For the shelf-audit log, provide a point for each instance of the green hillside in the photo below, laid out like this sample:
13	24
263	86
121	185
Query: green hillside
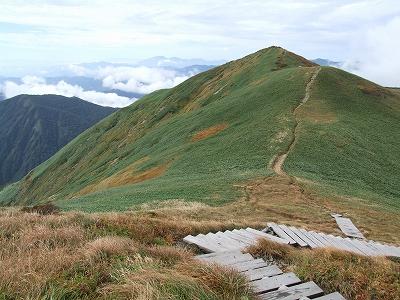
33	128
224	128
349	138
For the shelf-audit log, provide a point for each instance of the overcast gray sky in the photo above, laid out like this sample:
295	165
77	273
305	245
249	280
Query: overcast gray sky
47	32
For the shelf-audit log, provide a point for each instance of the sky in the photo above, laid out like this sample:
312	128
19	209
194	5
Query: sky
37	34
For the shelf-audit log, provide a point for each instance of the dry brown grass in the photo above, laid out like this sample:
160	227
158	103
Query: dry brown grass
190	280
109	245
81	255
210	131
76	256
355	277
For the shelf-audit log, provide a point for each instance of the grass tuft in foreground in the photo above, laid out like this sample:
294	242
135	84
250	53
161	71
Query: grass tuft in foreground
106	256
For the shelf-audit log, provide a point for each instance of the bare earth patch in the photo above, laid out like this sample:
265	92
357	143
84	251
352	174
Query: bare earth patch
210	131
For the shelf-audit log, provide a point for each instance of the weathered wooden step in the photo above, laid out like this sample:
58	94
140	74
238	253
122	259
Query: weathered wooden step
309	242
281	233
228	258
271	283
294	236
219	254
248	265
308	289
267	236
205	245
256	274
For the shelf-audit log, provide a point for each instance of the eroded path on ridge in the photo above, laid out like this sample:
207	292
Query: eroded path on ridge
277	165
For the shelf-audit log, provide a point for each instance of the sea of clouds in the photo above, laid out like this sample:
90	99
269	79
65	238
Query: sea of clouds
33	85
129	79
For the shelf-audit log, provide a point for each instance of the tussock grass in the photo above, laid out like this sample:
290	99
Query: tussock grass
107	256
356	277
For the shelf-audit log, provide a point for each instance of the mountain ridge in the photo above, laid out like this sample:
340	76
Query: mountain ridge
221	129
35	127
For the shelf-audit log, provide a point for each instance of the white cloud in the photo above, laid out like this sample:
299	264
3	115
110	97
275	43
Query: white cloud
141	80
33	85
375	54
52	31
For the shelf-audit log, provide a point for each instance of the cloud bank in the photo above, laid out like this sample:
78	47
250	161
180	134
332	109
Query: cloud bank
141	80
33	85
135	79
375	54
130	79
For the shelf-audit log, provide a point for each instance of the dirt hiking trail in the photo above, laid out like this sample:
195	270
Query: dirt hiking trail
280	159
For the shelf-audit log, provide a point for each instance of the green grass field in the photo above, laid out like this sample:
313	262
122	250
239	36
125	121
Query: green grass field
348	140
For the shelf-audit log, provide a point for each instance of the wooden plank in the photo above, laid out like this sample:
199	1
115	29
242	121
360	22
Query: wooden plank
228	259
378	250
242	239
256	274
245	233
339	244
248	265
223	241
235	234
217	240
248	234
375	250
303	237
352	247
272	283
366	250
348	228
203	244
236	243
267	236
334	241
326	242
332	296
391	250
211	240
294	236
312	238
281	233
379	247
308	289
230	252
394	251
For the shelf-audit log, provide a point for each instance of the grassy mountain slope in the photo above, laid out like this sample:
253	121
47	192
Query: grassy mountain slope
33	128
224	128
155	139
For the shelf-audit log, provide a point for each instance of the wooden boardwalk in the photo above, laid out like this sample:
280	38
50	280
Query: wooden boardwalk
268	280
239	239
230	240
312	239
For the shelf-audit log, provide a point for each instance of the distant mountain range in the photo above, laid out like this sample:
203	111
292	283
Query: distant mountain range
33	128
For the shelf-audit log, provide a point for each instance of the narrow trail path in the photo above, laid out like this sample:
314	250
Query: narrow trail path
277	165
